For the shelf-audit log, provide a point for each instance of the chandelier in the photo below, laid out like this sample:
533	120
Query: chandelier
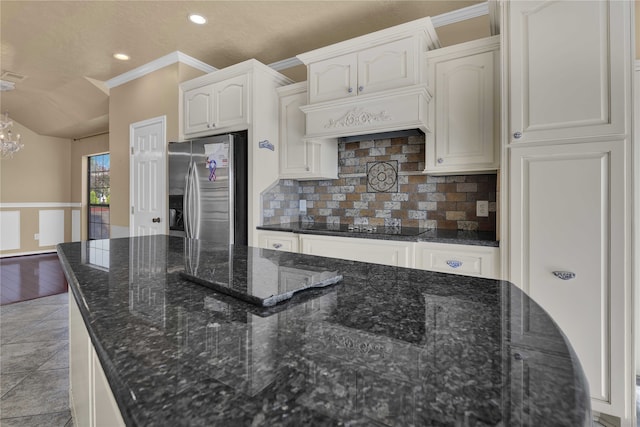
9	143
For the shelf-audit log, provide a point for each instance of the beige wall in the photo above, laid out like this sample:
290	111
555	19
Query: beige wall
39	173
153	95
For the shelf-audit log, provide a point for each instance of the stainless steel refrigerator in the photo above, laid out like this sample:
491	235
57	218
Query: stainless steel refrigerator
208	188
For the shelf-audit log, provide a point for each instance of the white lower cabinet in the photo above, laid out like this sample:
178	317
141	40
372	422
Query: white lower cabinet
479	261
386	252
90	397
568	253
278	240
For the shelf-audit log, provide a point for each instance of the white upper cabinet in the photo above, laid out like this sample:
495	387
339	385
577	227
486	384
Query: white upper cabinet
464	113
301	158
333	78
373	83
216	106
379	68
565	59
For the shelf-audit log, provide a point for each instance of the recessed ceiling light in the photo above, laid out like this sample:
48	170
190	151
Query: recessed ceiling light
197	19
121	56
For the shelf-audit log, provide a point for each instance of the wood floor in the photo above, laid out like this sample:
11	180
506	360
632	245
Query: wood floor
28	277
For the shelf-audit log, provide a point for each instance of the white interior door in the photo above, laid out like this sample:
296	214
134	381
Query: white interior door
148	177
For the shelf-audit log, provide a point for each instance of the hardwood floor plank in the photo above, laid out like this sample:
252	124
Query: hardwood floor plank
28	277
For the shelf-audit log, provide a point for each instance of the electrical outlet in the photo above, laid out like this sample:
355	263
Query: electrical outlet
36	236
303	206
482	208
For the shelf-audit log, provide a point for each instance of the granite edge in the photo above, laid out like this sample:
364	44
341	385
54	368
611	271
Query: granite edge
288	228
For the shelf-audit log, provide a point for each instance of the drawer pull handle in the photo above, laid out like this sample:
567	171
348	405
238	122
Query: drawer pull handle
277	245
453	263
564	275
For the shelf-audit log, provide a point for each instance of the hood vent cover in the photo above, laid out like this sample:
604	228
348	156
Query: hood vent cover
370	84
381	135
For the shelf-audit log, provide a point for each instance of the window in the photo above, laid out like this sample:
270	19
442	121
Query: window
99	197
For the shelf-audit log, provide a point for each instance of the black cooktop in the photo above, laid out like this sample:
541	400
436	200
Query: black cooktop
362	229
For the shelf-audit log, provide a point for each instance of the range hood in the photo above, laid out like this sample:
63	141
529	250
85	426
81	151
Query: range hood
370	84
381	135
388	111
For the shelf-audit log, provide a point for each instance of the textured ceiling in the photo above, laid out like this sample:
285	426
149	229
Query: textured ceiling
65	48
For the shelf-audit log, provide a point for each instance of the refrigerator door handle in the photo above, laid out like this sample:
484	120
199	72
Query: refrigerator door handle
193	202
195	188
185	203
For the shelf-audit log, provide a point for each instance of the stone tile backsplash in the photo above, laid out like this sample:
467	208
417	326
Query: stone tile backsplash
380	183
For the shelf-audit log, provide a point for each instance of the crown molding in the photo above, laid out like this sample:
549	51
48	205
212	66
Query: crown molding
460	15
285	63
437	21
157	64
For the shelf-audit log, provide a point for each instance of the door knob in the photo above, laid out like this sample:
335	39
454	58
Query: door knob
156	219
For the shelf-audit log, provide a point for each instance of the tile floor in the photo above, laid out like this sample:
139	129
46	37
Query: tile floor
34	363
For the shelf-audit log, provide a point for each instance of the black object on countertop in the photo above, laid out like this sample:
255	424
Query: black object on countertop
387	346
259	276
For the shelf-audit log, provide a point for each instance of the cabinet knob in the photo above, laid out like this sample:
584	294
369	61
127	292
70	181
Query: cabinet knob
440	160
360	88
350	90
564	275
517	135
518	356
213	125
156	219
454	263
277	245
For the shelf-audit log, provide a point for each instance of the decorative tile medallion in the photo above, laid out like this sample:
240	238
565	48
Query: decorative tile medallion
382	177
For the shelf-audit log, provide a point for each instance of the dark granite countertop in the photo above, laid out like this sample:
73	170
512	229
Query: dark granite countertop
386	346
407	234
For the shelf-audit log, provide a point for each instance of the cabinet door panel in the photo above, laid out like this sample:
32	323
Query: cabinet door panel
80	354
107	413
332	78
293	149
198	112
464	113
561	69
570	217
278	241
387	67
374	251
231	104
458	259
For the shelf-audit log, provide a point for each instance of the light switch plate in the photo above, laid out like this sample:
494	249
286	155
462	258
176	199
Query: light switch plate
303	206
482	208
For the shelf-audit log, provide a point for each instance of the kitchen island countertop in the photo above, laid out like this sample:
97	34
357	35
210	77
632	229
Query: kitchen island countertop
385	346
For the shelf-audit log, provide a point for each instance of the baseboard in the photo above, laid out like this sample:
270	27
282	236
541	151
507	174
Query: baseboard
14	254
606	420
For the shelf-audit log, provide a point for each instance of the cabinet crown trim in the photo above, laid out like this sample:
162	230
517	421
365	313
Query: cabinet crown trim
387	35
245	67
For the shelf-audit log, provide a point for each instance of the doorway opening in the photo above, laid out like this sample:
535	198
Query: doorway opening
99	196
